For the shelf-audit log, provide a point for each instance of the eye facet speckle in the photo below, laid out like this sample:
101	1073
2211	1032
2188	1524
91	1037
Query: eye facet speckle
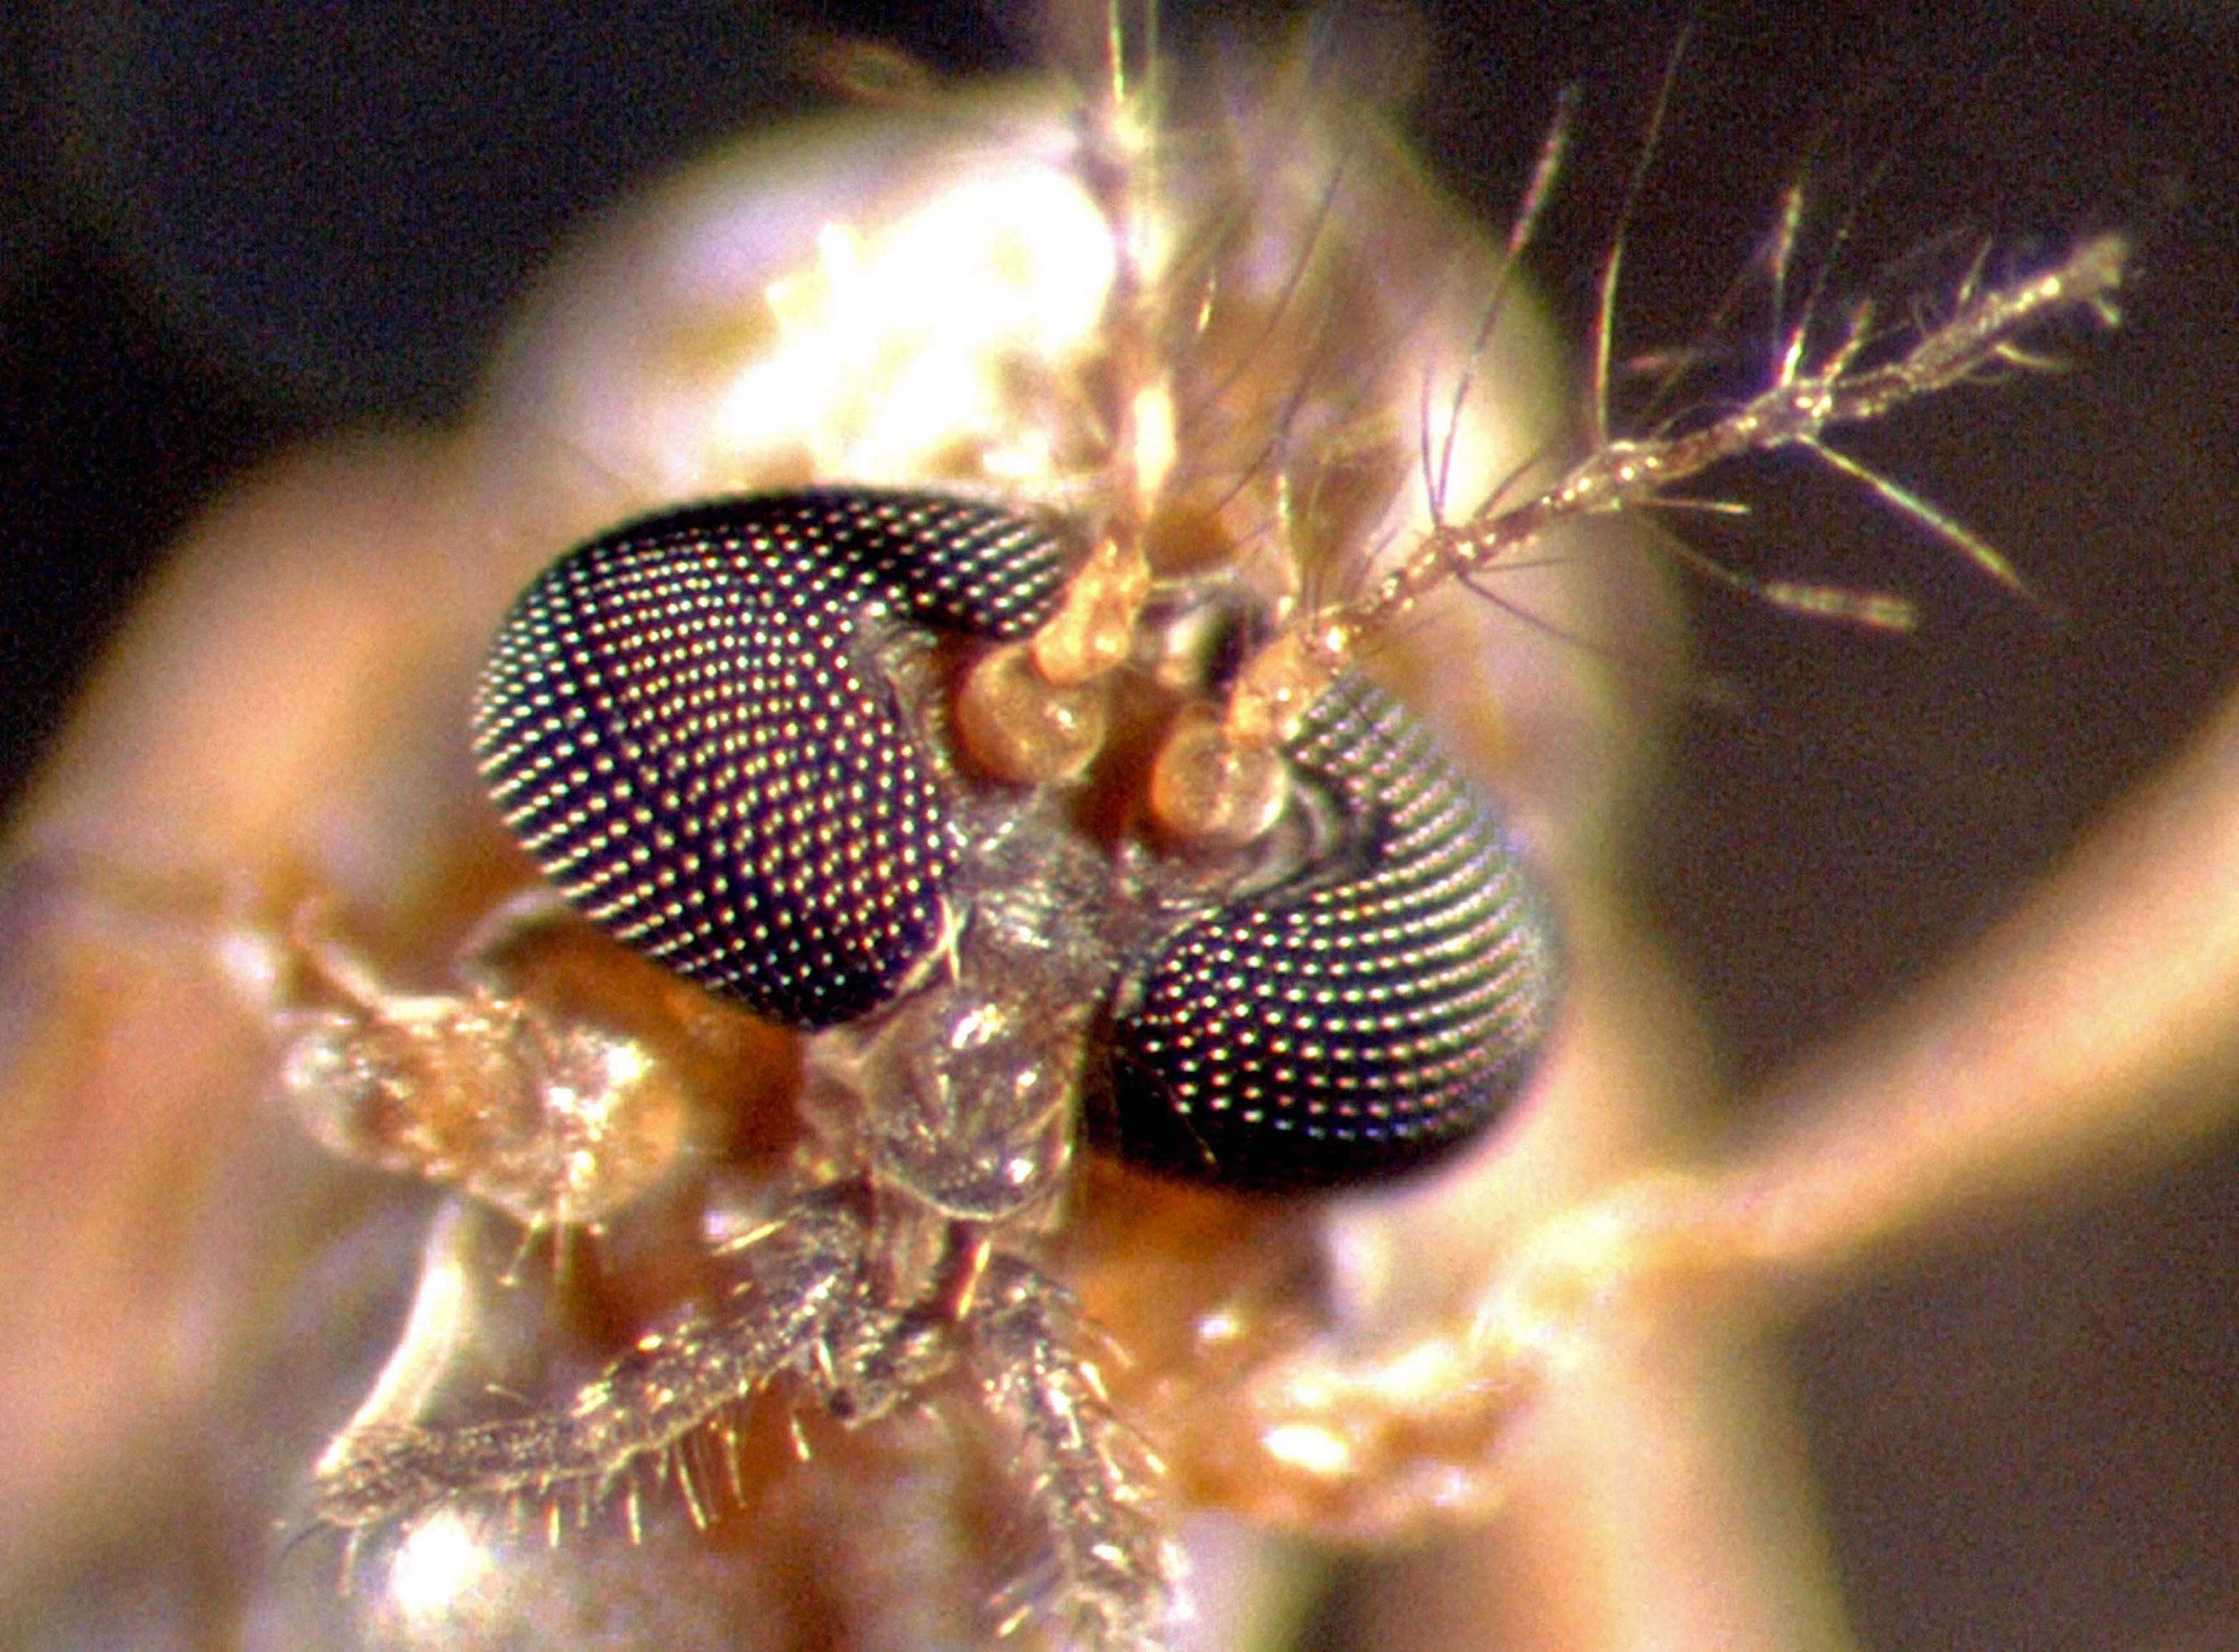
1372	1011
688	723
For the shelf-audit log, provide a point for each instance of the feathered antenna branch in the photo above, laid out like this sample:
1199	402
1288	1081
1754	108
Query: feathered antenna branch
1987	327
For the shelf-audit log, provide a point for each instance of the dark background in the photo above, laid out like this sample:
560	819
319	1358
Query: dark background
226	225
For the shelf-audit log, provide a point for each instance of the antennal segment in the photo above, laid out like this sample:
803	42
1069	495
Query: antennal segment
1986	329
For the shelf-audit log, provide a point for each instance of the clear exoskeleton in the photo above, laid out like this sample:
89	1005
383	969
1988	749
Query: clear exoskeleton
1053	964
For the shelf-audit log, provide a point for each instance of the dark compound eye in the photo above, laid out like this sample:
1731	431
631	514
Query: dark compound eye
689	724
1364	1016
692	724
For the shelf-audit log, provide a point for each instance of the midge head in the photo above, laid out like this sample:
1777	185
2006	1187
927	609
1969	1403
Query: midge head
1027	765
722	734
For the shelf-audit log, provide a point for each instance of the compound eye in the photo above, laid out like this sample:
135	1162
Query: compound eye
691	724
1368	1014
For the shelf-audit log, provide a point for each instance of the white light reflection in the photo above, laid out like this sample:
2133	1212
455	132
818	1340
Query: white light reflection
904	333
439	1564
